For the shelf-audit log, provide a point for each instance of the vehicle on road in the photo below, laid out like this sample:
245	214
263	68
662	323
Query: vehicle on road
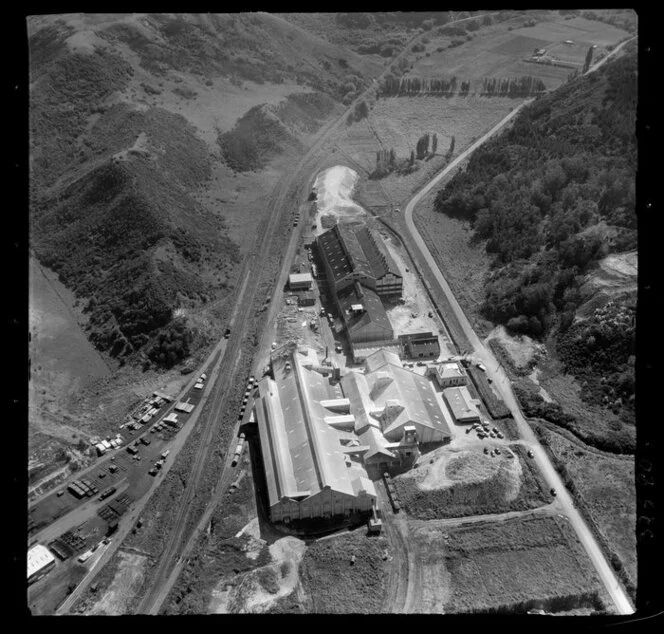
481	367
61	493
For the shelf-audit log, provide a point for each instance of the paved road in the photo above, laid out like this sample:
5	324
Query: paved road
503	385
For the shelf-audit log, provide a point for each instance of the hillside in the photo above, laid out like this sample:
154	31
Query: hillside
129	161
552	198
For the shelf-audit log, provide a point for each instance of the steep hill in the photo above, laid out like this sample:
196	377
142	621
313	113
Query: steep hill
130	160
553	197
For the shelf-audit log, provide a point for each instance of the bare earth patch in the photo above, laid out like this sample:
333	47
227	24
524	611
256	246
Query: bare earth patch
126	582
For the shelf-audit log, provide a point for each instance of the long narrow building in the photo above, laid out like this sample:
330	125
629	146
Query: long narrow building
309	470
356	253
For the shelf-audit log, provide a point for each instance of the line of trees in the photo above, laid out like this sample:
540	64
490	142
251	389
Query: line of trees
524	85
393	86
589	59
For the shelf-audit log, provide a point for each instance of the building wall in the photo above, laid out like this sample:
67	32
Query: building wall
424	434
453	381
389	285
326	503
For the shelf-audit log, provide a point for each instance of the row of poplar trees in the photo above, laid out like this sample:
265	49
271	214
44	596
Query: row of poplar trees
426	144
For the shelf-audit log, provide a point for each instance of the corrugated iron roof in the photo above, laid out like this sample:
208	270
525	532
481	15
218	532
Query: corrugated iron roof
373	313
302	453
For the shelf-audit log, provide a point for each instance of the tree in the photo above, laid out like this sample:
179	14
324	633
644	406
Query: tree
589	59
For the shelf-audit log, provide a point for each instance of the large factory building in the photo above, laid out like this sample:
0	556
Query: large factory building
395	400
355	253
310	470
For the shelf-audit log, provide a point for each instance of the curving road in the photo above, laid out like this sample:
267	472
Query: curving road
503	385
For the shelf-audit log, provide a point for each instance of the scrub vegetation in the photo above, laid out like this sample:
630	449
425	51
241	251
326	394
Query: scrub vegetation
551	197
334	584
517	565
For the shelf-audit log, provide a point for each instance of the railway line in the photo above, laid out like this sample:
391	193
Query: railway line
294	186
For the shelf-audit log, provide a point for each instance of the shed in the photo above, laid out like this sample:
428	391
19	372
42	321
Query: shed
300	281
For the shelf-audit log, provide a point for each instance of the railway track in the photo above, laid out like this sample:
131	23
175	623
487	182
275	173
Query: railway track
245	308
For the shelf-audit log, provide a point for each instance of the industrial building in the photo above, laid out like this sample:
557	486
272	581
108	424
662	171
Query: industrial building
364	317
394	401
461	405
310	470
355	253
420	345
300	281
306	298
40	562
449	374
182	406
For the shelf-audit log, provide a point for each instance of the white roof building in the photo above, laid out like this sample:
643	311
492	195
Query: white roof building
450	374
387	398
308	471
39	560
461	404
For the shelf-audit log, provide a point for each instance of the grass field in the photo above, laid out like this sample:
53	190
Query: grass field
464	263
509	566
469	482
334	585
497	52
606	484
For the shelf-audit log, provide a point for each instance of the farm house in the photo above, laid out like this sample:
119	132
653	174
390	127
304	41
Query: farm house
308	470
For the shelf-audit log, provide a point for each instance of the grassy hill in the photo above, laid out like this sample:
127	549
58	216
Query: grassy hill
552	197
129	162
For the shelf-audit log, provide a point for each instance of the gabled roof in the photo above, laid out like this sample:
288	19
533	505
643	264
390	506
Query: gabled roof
373	313
413	394
301	452
379	258
352	248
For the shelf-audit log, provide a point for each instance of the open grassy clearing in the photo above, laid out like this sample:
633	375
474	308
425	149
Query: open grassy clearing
334	585
464	263
606	485
458	483
496	51
507	566
397	122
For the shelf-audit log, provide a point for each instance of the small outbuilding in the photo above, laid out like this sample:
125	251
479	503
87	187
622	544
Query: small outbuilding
300	281
462	406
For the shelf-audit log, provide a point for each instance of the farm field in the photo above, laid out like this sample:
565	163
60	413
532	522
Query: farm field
397	122
333	585
461	482
507	566
606	484
497	52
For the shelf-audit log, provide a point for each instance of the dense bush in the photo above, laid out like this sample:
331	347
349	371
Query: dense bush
536	193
